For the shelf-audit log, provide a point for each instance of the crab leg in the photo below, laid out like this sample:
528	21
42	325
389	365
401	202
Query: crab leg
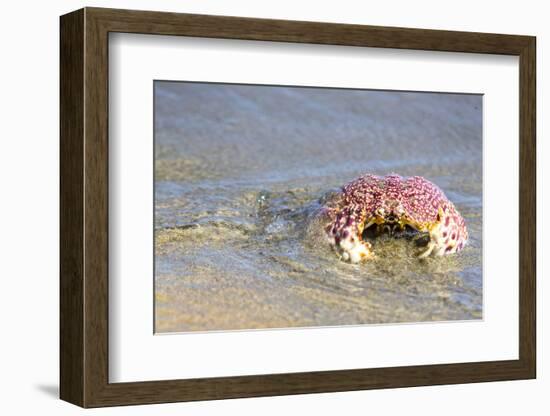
428	251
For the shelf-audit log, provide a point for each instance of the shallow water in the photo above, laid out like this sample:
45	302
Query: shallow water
240	172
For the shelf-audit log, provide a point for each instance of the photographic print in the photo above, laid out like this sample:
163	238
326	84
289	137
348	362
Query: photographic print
293	207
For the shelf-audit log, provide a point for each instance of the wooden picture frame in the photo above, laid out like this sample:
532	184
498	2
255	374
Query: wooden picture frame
84	207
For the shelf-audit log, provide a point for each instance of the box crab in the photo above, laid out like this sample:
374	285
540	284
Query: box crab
399	206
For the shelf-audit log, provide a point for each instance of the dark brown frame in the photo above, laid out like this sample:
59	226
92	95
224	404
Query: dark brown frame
84	207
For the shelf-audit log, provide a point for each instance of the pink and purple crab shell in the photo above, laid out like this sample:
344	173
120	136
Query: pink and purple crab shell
373	205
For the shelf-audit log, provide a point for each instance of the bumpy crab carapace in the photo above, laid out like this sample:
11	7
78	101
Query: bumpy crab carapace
412	206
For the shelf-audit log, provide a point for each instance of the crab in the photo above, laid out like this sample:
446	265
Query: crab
414	207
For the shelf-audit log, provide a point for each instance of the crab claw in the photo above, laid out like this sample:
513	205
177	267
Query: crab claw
448	234
355	251
345	238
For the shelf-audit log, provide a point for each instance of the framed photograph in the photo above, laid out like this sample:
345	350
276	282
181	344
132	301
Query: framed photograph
255	207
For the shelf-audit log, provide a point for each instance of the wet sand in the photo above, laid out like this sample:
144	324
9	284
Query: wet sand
241	171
